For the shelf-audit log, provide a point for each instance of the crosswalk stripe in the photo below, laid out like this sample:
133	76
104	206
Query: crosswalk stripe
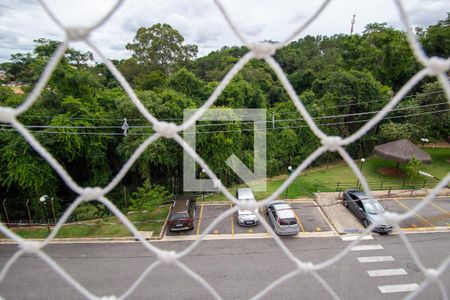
370	259
398	288
355	237
386	272
366	247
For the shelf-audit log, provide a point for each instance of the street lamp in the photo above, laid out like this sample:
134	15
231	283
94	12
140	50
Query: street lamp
360	169
424	140
361	164
43	201
428	175
289	174
203	172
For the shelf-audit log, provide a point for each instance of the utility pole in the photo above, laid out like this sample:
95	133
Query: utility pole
353	23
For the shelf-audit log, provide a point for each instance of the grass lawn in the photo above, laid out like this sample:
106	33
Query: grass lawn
325	178
104	228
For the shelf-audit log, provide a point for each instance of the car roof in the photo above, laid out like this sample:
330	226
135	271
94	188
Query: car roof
245	193
284	210
180	205
359	194
367	200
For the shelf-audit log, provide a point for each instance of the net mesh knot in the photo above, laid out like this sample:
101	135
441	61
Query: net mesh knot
431	274
30	247
92	193
437	65
332	143
7	114
263	49
305	267
165	129
248	204
77	33
167	257
392	217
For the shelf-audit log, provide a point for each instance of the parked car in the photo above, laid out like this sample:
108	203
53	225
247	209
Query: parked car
282	217
366	211
246	217
182	214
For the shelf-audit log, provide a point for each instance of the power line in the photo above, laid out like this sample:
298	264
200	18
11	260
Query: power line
228	131
228	122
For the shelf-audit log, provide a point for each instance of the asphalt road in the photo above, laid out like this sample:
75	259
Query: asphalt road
238	269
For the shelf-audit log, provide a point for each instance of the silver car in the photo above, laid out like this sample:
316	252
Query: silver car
246	217
282	217
367	211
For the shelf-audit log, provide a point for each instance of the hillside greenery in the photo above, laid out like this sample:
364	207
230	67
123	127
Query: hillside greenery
79	115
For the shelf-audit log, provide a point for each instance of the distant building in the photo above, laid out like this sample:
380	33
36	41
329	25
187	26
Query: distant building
2	75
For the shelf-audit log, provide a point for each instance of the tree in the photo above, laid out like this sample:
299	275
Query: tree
151	80
160	47
148	197
187	83
413	167
436	39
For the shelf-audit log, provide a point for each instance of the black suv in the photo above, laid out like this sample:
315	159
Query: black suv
182	214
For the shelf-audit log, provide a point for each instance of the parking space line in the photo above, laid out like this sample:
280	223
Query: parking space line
355	237
371	259
386	272
438	207
417	215
232	222
298	220
200	219
398	288
366	247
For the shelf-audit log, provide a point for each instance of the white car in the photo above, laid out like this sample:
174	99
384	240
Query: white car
246	217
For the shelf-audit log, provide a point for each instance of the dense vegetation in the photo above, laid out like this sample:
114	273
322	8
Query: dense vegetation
79	115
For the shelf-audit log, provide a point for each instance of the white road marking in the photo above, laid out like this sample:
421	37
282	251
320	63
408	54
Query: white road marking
398	288
355	237
386	272
370	259
366	247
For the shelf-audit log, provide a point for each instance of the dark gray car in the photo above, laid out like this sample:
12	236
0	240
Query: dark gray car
366	211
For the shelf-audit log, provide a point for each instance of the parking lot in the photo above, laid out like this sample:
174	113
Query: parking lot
435	214
309	217
337	219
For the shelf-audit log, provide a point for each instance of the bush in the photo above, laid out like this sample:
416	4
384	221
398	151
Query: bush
413	167
148	197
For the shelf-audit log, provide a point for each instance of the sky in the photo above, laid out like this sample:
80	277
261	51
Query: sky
199	21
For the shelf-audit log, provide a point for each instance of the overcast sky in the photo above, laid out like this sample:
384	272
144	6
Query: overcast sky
199	21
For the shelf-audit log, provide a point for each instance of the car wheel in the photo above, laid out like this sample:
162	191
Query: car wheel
345	203
365	223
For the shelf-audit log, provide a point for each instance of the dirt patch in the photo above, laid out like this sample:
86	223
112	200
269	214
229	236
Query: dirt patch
391	172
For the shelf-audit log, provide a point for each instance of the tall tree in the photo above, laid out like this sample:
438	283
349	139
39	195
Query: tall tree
160	47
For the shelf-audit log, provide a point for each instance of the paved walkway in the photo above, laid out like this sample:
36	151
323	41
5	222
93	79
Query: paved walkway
337	214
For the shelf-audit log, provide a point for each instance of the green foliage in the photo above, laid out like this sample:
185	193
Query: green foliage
340	79
150	81
148	197
160	47
395	131
413	167
89	211
436	39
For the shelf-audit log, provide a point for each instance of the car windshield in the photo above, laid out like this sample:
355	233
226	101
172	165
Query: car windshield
373	208
179	216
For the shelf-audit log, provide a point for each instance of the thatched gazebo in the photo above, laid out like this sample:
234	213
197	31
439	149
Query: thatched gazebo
401	151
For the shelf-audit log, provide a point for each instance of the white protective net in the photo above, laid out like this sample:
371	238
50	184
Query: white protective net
433	66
